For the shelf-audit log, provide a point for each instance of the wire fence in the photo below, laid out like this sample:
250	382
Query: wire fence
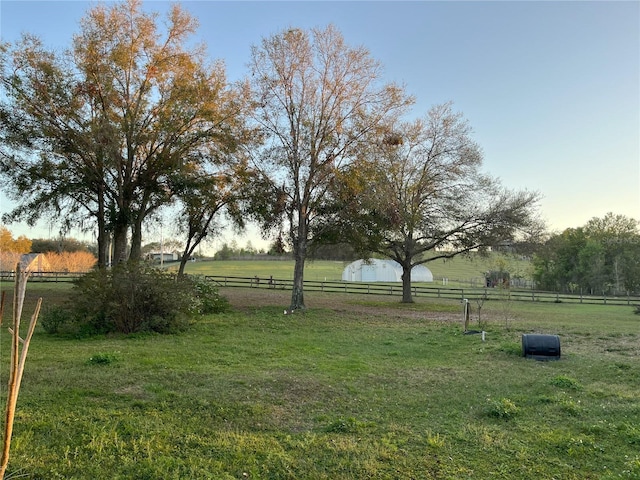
379	288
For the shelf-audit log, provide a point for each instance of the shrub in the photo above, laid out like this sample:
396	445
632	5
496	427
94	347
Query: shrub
54	318
132	298
70	261
207	295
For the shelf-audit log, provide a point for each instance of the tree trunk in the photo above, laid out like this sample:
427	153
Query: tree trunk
406	284
297	294
103	237
119	243
136	241
186	254
103	244
183	264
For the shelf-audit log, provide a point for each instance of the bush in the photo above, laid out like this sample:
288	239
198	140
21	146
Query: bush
133	298
54	318
207	295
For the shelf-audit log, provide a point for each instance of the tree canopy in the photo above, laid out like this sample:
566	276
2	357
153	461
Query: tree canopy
96	136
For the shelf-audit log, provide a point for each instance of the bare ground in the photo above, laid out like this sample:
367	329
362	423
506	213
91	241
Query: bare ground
371	305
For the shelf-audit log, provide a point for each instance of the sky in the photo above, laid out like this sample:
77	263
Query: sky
550	88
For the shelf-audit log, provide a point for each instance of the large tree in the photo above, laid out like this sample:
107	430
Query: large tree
99	133
318	101
422	196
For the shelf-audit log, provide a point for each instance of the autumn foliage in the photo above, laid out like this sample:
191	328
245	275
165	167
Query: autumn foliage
8	244
12	249
71	261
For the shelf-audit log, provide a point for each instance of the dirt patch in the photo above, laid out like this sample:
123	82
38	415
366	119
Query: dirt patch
369	305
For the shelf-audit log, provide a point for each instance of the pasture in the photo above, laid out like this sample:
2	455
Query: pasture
356	387
459	270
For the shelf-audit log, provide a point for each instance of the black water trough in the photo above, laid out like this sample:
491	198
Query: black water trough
541	347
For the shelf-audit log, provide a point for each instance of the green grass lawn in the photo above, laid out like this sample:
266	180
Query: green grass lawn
458	269
357	387
280	269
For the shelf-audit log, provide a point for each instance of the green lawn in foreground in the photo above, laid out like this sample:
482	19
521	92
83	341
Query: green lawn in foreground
358	387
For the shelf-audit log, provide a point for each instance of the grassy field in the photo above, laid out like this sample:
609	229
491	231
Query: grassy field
459	269
357	387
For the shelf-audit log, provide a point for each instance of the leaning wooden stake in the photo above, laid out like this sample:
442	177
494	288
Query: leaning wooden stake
18	359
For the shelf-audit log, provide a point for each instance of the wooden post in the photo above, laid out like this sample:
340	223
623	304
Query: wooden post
465	313
18	359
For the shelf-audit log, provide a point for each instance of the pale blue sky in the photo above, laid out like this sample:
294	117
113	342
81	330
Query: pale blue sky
551	89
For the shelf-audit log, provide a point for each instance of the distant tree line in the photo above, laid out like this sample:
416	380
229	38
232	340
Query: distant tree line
59	245
600	257
231	250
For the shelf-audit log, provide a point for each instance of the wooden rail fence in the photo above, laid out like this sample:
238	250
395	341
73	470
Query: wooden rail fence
6	276
393	289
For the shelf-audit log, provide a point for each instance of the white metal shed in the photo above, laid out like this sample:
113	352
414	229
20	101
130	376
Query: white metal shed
378	270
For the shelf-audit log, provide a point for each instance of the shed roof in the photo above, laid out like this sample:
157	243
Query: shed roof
34	262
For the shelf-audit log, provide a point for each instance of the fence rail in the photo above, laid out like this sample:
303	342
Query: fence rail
395	289
392	289
6	276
